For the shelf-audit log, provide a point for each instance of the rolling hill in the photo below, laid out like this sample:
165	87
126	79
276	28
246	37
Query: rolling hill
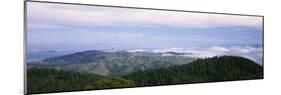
111	63
223	68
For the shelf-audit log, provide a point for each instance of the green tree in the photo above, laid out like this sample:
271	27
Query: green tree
111	82
43	80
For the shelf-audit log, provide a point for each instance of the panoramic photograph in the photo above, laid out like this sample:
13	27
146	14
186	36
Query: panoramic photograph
71	47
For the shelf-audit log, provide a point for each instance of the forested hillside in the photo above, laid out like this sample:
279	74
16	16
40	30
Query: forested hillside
52	80
214	69
44	80
202	70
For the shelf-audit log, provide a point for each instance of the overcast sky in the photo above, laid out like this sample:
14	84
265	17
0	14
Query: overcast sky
62	26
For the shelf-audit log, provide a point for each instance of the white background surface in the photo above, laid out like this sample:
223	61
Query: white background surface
11	48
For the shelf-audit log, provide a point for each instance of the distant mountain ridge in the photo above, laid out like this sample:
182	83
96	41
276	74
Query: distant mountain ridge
111	63
75	58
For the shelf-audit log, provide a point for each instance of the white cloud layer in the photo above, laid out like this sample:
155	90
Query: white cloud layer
251	52
108	16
